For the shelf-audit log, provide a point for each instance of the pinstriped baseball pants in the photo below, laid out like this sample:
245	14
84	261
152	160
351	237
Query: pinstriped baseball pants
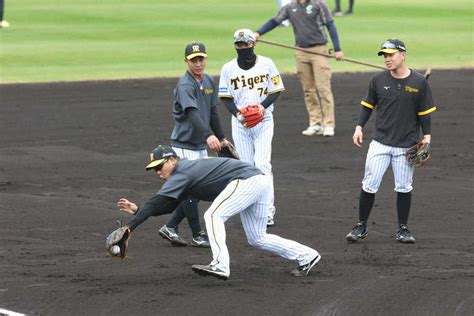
379	158
255	147
250	198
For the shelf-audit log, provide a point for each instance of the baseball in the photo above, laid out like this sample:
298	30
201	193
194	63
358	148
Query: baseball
115	250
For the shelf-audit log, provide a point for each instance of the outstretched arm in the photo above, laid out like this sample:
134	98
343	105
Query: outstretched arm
156	206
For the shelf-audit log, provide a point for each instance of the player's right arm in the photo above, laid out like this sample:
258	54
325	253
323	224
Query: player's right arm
281	16
225	92
358	136
367	106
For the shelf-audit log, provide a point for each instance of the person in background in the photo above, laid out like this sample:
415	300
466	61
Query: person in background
309	19
3	23
338	12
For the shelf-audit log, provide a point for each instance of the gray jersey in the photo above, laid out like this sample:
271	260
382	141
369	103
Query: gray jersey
308	20
205	179
191	94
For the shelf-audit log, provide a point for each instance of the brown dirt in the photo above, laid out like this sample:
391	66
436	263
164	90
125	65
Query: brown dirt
68	151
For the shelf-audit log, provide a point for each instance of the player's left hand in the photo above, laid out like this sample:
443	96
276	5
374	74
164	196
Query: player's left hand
426	139
339	55
214	143
127	206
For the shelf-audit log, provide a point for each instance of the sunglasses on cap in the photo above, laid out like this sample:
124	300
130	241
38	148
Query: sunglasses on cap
390	45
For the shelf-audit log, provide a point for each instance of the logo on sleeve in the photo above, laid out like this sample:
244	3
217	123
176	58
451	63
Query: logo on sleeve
276	80
386	87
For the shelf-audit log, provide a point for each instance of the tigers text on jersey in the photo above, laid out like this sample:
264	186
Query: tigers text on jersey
250	86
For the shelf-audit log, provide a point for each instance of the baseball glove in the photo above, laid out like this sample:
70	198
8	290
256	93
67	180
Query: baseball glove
119	238
229	151
418	154
251	115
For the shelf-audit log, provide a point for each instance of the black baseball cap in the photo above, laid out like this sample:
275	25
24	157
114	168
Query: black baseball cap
159	155
391	46
195	49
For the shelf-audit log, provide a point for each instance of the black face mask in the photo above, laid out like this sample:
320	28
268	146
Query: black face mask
247	58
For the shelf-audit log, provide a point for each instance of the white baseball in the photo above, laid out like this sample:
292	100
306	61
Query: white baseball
115	250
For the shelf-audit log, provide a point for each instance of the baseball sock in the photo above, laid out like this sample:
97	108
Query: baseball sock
366	202
351	6
403	207
177	218
192	215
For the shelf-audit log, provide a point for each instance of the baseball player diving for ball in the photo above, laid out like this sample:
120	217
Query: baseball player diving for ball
235	187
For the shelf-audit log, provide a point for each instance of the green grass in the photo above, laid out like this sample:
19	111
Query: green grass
65	40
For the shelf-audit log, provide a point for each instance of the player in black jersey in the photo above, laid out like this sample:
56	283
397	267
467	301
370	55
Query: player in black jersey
403	102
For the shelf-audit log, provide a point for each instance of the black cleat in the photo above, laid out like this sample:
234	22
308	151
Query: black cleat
359	231
171	234
304	269
201	241
404	235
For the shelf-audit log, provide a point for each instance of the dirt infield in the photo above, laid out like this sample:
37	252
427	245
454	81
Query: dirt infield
69	151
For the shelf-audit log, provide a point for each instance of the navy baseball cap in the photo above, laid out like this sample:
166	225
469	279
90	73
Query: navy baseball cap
195	49
159	155
391	46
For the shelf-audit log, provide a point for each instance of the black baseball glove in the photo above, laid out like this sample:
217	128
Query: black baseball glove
117	242
228	151
418	154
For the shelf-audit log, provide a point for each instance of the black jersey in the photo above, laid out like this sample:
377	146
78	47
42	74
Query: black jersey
398	103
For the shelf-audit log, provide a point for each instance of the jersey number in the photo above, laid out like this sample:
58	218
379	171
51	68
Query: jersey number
262	91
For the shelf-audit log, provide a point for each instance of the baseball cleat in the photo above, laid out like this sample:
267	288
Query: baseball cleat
404	235
359	231
210	270
313	130
172	236
201	241
304	269
270	222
